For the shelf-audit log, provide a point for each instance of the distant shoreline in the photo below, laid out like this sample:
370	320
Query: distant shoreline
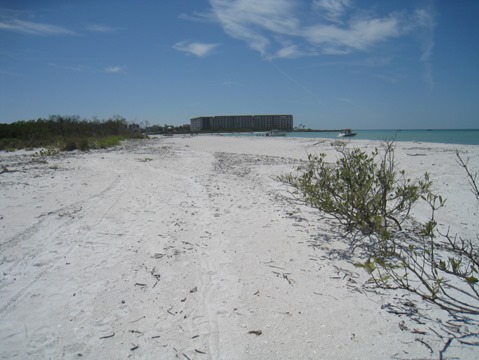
444	136
223	131
455	136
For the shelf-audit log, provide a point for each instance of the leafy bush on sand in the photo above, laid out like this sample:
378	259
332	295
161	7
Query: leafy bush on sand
371	200
363	192
48	151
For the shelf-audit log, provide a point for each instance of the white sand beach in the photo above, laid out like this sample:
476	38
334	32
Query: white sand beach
185	247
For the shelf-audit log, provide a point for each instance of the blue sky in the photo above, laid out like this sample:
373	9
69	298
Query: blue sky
331	63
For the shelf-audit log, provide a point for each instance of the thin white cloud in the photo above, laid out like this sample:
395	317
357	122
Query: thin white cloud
255	21
289	52
350	102
115	69
34	28
203	17
81	68
332	10
426	21
100	28
195	48
297	83
360	34
281	29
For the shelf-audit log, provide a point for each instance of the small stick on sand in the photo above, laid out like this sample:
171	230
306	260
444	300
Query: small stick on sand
425	344
287	278
136	332
134	321
169	311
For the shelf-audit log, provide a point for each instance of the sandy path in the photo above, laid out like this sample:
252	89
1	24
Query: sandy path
180	248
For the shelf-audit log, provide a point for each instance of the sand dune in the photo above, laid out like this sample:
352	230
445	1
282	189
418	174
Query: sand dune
185	248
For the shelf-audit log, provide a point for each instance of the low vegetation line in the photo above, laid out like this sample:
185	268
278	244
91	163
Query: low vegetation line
66	133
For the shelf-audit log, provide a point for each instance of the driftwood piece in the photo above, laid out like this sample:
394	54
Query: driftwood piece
425	344
285	276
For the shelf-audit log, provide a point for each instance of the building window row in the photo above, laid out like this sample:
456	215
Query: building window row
242	122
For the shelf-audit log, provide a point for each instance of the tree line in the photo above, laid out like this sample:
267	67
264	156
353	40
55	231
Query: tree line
60	130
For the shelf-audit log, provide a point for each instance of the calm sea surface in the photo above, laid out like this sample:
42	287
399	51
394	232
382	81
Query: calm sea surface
468	137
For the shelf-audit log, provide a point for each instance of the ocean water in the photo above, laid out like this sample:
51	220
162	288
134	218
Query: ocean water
465	137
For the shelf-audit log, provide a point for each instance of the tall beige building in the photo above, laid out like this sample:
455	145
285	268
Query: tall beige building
242	122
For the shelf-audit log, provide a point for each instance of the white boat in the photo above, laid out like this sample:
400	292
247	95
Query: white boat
347	133
272	133
276	133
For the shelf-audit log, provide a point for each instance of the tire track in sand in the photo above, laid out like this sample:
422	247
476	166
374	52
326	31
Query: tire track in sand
36	261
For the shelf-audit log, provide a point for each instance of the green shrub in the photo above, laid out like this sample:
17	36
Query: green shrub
48	151
367	195
83	144
69	145
441	268
364	192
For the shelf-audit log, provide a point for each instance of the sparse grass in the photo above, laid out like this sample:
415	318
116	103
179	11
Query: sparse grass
107	142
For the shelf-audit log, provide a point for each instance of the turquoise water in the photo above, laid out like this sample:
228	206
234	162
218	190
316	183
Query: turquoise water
466	137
